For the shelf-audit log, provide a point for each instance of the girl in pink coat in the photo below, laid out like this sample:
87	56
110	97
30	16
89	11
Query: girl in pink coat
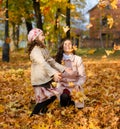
70	86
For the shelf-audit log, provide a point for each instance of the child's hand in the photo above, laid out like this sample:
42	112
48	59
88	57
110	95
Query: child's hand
57	77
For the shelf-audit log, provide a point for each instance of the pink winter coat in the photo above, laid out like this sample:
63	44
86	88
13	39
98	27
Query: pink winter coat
76	76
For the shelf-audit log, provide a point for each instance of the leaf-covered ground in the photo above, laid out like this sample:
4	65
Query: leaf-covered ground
102	103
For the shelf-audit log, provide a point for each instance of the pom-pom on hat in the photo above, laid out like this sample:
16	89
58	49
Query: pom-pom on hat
33	34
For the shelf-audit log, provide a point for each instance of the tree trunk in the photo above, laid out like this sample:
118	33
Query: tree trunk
17	36
38	15
12	44
28	26
68	20
57	26
6	46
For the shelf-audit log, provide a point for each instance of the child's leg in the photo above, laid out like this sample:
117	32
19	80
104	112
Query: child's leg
45	108
42	106
64	99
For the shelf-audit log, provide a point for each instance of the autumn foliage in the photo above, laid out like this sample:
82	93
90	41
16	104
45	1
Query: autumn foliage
102	98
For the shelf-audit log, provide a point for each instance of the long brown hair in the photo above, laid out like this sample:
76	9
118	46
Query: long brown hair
60	52
33	44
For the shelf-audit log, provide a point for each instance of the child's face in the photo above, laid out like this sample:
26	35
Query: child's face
67	47
41	37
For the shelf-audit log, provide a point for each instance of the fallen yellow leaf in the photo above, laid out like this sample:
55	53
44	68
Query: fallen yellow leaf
1	108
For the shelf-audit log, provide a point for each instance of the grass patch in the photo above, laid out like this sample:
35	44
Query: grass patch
97	53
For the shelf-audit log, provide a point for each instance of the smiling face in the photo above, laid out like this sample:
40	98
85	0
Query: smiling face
67	47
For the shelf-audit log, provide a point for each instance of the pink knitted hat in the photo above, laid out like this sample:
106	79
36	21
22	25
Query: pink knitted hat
33	34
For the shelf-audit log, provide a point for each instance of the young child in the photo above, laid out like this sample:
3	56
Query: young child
70	85
44	69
